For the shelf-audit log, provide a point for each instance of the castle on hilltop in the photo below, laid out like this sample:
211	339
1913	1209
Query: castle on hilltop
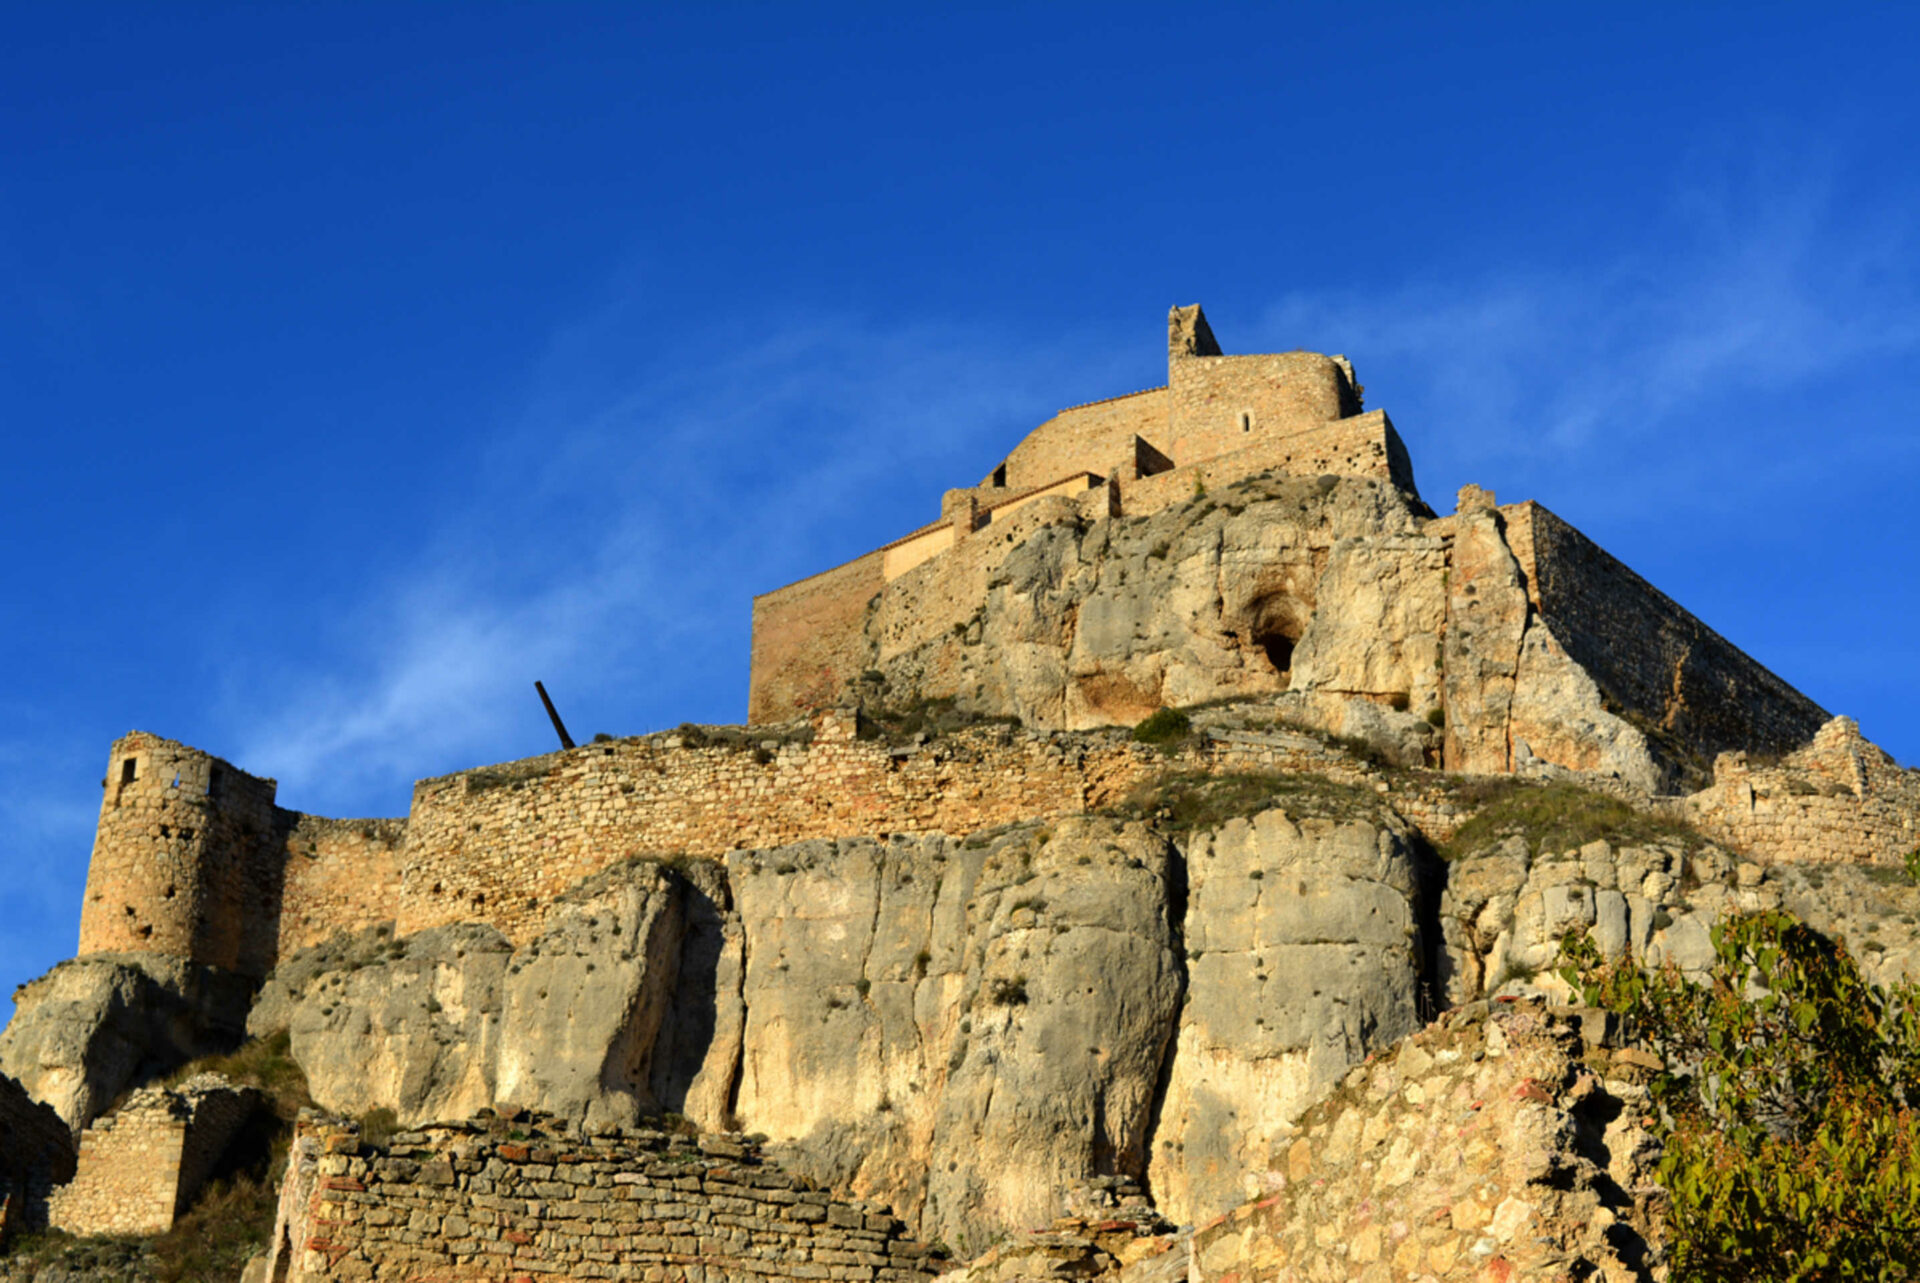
1217	419
1247	532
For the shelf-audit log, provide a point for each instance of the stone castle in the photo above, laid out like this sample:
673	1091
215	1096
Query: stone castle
1247	537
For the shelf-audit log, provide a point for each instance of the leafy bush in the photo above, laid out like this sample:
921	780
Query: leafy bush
1913	864
1167	727
1787	1104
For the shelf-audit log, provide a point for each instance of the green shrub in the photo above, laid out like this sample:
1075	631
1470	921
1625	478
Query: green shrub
1913	864
1009	993
1166	727
1786	1104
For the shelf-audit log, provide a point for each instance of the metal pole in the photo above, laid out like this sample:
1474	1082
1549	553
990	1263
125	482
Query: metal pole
566	740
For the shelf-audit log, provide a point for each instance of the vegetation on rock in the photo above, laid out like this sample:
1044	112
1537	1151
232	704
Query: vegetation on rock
1558	817
1788	1104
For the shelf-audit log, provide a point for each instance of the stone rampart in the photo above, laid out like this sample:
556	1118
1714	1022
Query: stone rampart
1679	680
192	858
492	1200
1220	403
36	1154
1840	799
807	638
140	1164
498	844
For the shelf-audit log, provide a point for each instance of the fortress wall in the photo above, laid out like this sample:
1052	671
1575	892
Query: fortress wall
1283	393
141	1164
1087	438
490	1201
1840	799
1365	445
498	845
340	875
948	591
129	1175
183	858
1671	673
808	641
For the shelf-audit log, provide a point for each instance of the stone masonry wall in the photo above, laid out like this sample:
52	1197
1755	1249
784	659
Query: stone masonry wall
140	1164
192	858
1668	670
497	844
1501	1144
338	875
179	861
807	641
1840	799
491	1200
1086	438
36	1154
1221	403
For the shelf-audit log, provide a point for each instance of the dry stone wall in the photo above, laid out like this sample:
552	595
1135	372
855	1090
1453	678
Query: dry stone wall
139	1165
1840	799
514	1201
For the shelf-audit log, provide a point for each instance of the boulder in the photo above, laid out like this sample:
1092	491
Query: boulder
96	1026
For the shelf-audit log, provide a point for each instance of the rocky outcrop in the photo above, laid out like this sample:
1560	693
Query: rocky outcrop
95	1026
1502	1143
1303	946
36	1154
1375	621
959	1028
591	1020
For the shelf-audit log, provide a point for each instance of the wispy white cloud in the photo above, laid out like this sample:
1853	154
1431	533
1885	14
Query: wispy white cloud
615	530
1755	284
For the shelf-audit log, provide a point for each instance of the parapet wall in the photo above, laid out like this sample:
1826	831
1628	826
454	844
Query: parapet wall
498	844
488	1200
141	1164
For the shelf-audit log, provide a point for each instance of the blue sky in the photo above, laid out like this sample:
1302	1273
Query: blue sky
360	364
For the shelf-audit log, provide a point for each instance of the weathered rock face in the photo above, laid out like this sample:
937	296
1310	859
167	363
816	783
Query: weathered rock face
1335	590
959	1028
1091	624
95	1026
1507	907
588	1021
1503	1143
1303	946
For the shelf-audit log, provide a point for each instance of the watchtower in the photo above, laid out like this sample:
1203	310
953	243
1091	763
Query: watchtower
187	858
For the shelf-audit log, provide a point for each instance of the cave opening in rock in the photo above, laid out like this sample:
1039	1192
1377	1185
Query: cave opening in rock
1279	651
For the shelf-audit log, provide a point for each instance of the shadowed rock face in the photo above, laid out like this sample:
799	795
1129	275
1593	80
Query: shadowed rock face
93	1027
590	1021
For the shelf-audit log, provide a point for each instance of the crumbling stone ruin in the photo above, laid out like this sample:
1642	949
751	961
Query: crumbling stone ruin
938	950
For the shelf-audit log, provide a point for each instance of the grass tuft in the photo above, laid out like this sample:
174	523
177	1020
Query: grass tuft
1558	817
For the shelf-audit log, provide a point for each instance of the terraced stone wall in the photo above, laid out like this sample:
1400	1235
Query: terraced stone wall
492	1200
